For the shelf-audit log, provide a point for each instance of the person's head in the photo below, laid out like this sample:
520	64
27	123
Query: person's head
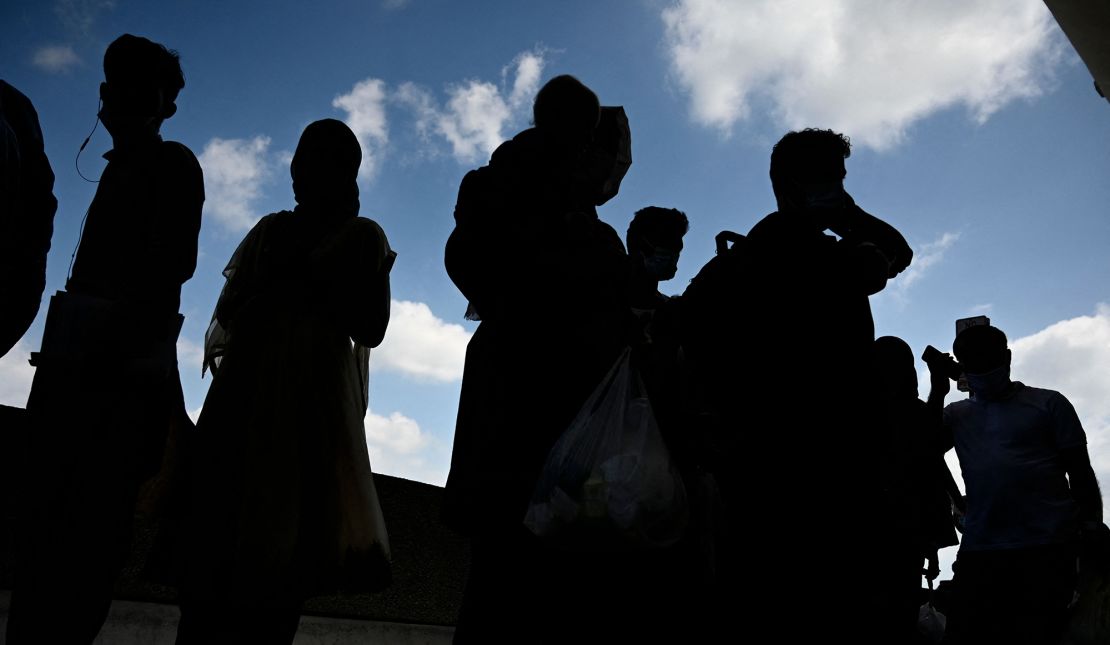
893	366
567	110
981	349
807	169
325	166
654	240
141	82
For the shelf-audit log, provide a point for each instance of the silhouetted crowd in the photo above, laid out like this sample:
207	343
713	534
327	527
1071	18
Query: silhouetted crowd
741	462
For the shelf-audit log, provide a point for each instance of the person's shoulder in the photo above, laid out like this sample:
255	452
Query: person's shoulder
1039	396
177	156
958	408
365	227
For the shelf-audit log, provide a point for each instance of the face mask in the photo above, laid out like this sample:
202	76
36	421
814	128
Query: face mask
826	197
661	264
990	385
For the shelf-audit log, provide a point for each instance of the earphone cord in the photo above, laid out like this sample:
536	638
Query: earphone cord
81	230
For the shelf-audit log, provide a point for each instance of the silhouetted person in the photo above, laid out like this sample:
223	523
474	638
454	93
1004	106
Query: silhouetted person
782	378
106	385
27	206
548	280
283	503
1030	493
654	240
909	504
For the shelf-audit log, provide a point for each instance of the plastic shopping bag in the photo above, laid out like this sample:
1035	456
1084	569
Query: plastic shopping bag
609	481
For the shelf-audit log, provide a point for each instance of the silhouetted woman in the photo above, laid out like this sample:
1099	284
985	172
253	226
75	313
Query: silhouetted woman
283	500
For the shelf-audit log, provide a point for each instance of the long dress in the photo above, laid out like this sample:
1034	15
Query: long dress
283	498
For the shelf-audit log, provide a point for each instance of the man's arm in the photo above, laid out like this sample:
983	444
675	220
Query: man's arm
179	202
1084	484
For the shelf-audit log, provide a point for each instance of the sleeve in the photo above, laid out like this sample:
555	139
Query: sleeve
945	438
1066	429
180	201
359	280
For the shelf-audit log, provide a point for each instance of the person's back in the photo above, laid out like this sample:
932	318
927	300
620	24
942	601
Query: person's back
96	438
27	207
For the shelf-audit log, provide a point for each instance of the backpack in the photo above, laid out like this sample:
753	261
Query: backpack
715	332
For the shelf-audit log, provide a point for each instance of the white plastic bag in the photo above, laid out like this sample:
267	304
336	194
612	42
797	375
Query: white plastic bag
609	481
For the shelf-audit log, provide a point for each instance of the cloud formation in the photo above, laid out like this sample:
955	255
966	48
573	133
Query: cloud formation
868	69
365	108
16	375
55	59
399	447
476	112
234	172
79	16
924	257
420	345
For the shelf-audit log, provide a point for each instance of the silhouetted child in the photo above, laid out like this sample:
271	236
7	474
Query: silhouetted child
106	384
283	503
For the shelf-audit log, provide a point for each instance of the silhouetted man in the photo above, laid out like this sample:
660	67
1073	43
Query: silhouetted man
785	387
27	206
106	383
548	280
654	241
1030	493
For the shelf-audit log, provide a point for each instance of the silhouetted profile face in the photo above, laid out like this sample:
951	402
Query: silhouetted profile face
142	80
568	111
893	366
807	170
325	166
654	240
981	349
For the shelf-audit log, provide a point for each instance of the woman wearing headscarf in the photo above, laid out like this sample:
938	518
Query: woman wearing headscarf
283	504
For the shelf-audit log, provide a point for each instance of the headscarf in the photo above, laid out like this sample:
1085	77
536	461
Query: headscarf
325	170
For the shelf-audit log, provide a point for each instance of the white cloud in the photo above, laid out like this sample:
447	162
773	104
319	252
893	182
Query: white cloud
190	355
868	69
80	15
527	67
365	108
477	112
395	433
234	171
16	375
420	345
924	257
56	59
399	447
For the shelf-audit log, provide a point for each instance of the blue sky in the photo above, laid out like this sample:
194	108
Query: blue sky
977	133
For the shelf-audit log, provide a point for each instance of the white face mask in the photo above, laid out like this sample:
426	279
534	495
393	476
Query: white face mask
990	385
